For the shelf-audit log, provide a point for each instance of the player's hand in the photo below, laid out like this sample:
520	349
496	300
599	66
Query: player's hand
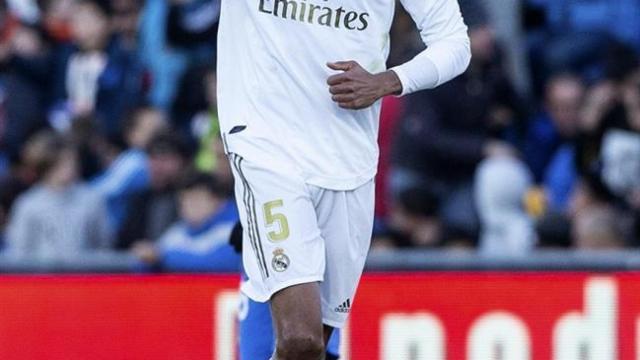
356	88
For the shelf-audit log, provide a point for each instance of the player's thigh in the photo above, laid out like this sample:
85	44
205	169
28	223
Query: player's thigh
346	223
282	243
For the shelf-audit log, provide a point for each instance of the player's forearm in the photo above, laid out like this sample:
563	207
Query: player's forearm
434	66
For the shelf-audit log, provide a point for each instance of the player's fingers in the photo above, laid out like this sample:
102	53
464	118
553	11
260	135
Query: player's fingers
349	105
337	79
341	65
343	98
341	89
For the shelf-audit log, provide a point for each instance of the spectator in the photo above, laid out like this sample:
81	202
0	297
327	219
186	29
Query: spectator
187	41
156	208
195	113
25	60
448	131
96	73
126	16
550	143
576	35
506	18
200	241
609	143
58	217
206	126
506	228
598	229
574	19
412	222
193	25
129	172
555	227
26	10
56	19
557	124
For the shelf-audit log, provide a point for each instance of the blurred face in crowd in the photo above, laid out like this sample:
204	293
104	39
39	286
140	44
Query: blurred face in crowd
421	230
564	97
27	42
148	123
90	27
125	18
57	15
596	229
65	171
197	205
59	9
165	168
582	198
483	45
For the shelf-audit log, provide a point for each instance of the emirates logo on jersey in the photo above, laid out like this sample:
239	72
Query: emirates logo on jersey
314	14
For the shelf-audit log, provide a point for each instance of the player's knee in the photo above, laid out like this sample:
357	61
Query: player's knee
300	346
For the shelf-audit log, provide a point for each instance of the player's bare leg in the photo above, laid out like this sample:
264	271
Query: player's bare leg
297	319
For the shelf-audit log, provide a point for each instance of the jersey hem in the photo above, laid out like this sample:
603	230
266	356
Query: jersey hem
333	324
254	295
343	184
336	184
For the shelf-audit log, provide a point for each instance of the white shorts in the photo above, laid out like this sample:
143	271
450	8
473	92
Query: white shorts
296	233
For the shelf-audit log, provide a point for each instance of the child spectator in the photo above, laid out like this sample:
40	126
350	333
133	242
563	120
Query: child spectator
199	242
58	217
500	188
96	73
412	222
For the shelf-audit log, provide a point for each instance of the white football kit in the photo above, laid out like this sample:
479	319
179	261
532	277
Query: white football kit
303	166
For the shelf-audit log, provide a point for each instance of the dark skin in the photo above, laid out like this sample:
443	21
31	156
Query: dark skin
355	88
297	316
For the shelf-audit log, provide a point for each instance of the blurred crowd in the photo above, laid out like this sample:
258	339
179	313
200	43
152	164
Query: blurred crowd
109	139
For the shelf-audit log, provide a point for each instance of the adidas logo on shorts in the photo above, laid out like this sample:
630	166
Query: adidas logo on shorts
344	308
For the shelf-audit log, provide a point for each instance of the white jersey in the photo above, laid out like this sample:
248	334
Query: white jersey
274	102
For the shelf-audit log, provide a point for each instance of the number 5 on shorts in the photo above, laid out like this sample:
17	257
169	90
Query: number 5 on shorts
272	217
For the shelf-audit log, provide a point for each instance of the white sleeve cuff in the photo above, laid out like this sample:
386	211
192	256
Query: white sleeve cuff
439	63
419	73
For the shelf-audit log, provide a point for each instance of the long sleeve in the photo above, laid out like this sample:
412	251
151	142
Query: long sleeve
448	53
437	138
127	175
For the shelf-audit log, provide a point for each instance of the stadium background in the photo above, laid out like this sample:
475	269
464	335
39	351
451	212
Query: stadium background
508	200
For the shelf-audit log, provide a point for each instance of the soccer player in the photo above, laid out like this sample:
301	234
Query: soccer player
299	89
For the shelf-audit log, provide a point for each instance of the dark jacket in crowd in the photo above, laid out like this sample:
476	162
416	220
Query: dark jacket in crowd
445	130
155	212
25	82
